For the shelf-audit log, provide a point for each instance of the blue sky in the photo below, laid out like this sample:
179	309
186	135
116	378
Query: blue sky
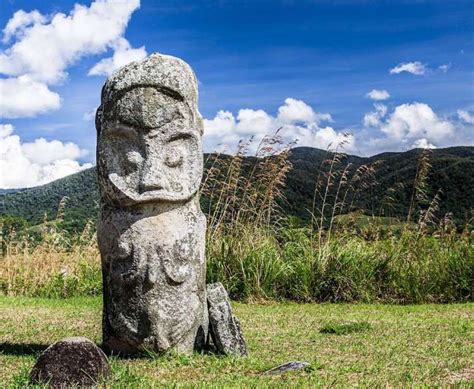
261	64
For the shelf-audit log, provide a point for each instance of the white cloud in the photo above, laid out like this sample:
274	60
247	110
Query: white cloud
415	121
251	122
377	94
26	97
89	115
416	68
123	55
35	163
444	68
408	126
45	46
44	152
19	22
295	111
465	116
423	143
5	130
297	120
373	119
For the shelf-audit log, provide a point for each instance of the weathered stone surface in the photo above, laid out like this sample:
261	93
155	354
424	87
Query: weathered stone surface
288	366
70	361
151	230
224	327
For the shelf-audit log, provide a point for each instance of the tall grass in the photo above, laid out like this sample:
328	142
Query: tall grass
59	266
387	260
261	254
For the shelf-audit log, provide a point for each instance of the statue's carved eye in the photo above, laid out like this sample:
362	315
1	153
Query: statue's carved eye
175	156
176	149
134	158
174	159
123	130
180	137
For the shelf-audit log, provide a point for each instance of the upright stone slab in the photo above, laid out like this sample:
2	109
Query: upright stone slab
151	231
224	327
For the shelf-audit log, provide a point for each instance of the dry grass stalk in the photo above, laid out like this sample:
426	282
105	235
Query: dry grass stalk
246	192
420	183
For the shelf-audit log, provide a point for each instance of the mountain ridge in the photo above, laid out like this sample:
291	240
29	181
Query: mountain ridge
452	172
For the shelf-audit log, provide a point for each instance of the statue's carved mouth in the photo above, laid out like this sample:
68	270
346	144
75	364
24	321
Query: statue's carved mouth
151	187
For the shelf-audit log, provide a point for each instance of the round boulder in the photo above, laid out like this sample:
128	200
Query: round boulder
70	361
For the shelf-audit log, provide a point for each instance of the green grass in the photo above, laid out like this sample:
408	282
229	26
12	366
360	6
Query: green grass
290	263
375	345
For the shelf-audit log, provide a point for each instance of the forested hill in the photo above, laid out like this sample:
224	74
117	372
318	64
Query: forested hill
451	175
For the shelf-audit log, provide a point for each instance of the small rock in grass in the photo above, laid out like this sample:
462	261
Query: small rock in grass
70	361
288	366
224	327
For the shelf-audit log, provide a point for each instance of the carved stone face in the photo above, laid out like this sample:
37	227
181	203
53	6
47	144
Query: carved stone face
149	147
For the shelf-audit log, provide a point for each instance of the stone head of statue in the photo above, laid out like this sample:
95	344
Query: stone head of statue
149	146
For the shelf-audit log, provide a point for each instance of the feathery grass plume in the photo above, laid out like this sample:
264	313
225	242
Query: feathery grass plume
263	186
388	201
226	184
420	183
446	226
324	183
338	205
246	193
363	183
428	216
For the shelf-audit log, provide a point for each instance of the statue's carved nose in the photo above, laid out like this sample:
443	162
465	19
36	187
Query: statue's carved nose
152	178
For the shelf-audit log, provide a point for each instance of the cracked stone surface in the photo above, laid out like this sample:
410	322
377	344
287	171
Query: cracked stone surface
151	229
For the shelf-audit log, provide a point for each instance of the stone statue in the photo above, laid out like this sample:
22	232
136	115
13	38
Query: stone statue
151	231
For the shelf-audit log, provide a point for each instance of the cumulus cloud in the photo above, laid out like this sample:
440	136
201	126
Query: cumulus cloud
408	126
123	54
295	111
415	121
377	94
5	130
45	46
423	143
36	163
26	97
373	119
296	120
19	22
465	116
416	68
44	152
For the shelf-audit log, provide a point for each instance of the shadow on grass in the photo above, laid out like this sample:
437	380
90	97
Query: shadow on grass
345	328
22	348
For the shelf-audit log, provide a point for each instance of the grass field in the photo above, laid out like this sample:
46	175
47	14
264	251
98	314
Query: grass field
368	345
